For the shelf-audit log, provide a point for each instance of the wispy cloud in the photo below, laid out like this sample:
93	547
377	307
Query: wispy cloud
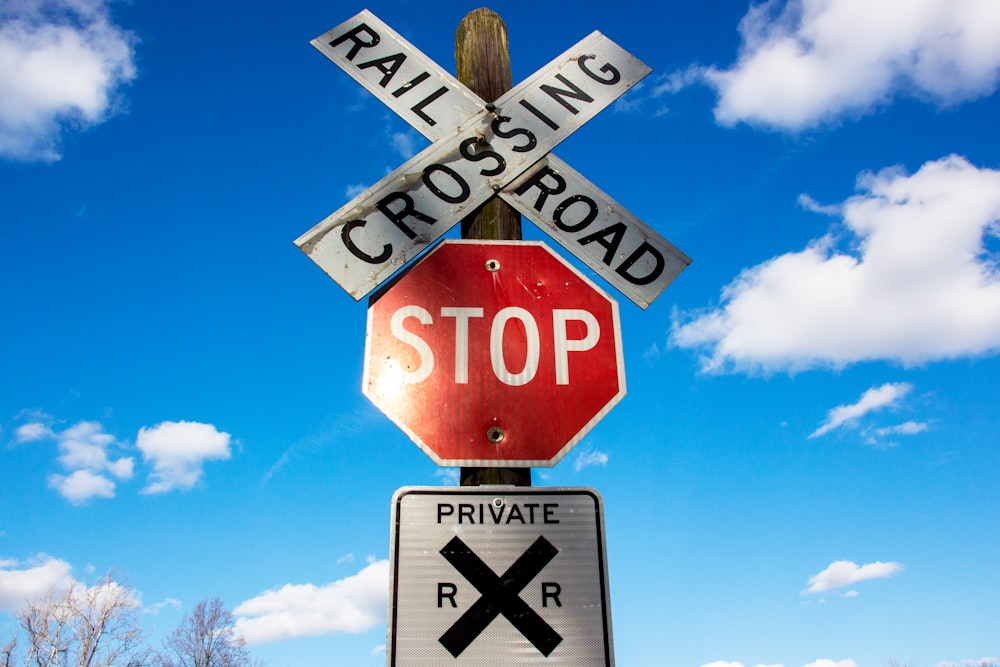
449	476
330	434
588	458
155	608
352	191
843	573
404	143
919	283
826	662
875	398
810	204
818	663
63	64
885	436
981	662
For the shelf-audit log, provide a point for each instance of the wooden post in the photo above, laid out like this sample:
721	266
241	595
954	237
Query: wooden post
483	64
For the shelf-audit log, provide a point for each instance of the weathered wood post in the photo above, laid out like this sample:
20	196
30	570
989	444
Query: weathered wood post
482	61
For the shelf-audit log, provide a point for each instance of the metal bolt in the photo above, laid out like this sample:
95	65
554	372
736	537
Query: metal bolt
491	107
495	434
493	265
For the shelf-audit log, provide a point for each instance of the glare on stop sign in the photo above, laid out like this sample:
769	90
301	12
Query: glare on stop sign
490	353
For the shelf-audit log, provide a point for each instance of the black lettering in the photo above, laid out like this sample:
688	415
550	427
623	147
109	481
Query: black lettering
560	95
515	510
418	108
645	248
616	232
544	190
547	510
497	517
358	44
538	114
466	148
466	510
406	211
396	60
345	235
550	589
447	591
591	206
410	85
463	187
614	75
531	511
445	509
516	132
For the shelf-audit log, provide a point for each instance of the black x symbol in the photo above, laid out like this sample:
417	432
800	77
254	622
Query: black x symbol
500	596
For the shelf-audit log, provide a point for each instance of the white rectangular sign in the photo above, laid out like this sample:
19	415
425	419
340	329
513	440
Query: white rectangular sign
374	235
408	82
491	577
602	233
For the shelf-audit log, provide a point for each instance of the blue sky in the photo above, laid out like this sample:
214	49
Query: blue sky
804	471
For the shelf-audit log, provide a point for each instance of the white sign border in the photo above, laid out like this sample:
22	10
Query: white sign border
497	491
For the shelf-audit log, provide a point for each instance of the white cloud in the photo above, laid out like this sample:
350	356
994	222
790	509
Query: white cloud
449	476
352	191
82	485
875	398
404	143
846	573
918	284
84	446
878	437
155	608
825	662
354	604
588	458
723	663
33	432
810	204
62	63
805	62
177	451
84	454
21	582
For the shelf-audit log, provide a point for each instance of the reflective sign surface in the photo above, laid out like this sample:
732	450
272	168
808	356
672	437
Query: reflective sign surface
498	576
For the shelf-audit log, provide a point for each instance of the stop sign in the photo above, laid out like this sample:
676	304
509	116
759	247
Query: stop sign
494	353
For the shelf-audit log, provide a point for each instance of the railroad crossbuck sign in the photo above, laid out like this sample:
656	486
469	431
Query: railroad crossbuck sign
480	150
483	578
512	363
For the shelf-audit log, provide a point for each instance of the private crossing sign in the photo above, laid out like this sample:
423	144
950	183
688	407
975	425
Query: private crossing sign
490	577
480	150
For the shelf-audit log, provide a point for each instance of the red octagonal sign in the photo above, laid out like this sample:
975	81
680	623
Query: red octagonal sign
494	353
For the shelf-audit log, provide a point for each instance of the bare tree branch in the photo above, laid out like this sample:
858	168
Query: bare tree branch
206	639
95	626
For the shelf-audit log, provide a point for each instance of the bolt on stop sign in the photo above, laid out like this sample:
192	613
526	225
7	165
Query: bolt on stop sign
491	352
